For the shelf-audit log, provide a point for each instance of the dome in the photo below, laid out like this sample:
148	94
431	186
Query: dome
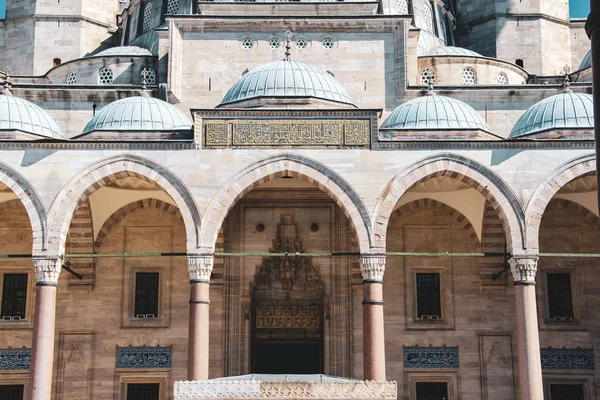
124	51
587	61
451	51
287	79
566	110
139	113
433	112
22	115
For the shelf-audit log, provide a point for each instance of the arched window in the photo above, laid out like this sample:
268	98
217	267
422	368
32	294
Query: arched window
56	62
427	76
469	76
72	78
402	7
502	79
147	16
173	7
147	76
428	17
106	76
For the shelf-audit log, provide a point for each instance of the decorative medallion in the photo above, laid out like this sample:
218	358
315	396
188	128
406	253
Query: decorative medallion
568	359
280	315
144	357
431	357
15	359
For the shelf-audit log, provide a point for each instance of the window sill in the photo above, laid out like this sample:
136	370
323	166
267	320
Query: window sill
145	323
16	324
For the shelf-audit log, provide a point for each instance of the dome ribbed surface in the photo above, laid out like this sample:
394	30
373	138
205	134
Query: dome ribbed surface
565	110
22	115
451	51
587	61
138	114
434	112
124	51
287	79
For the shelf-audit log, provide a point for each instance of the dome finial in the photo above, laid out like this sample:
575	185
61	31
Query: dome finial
7	85
566	86
430	91
288	36
144	92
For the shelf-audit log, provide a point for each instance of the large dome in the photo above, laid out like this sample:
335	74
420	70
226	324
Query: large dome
132	51
287	78
139	113
451	51
22	115
566	110
587	61
433	112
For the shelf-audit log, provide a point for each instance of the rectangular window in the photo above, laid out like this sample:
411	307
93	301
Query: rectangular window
146	294
12	392
566	392
14	296
560	301
143	391
428	296
432	390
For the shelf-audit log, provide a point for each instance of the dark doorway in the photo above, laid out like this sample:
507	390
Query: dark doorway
11	392
566	392
432	390
287	358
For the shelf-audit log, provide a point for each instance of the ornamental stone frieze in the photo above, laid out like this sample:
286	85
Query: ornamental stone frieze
200	267
523	269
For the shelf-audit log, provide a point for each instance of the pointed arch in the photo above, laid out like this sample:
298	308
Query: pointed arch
105	171
32	202
273	167
478	176
565	173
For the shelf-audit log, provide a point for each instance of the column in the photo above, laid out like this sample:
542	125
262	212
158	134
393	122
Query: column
200	267
592	28
372	268
42	358
528	341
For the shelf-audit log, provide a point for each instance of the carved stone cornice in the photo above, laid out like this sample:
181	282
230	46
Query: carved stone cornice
200	267
47	270
372	267
523	269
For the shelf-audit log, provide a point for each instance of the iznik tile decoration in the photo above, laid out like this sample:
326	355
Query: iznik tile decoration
15	359
430	357
144	357
569	359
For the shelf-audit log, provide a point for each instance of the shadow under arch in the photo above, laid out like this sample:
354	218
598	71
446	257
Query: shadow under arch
102	172
32	202
478	176
279	165
543	194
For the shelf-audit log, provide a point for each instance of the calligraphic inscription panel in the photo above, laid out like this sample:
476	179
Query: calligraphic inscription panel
568	359
216	133
287	316
431	357
144	357
15	359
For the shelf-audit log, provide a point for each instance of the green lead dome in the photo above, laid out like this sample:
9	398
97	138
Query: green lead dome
566	110
433	112
287	78
22	115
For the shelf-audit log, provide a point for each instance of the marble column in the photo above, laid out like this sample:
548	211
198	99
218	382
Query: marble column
523	269
200	268
372	268
42	358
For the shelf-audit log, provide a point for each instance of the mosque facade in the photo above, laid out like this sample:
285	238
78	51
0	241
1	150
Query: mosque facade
297	199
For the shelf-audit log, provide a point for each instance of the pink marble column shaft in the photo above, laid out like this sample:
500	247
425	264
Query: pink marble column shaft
372	268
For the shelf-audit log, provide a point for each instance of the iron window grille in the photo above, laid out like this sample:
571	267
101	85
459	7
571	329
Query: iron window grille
146	294
12	392
432	390
14	297
428	296
143	391
560	299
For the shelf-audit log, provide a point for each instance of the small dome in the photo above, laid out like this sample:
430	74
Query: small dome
139	113
566	110
287	79
587	61
124	51
451	51
433	112
22	115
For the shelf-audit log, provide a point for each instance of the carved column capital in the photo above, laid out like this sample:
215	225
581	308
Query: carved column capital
372	267
200	267
523	269
47	270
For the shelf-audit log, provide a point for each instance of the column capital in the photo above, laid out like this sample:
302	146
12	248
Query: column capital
47	270
200	267
372	267
523	269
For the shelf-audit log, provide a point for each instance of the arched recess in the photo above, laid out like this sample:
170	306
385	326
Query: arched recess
446	209
548	188
277	166
122	212
575	208
101	173
28	196
479	177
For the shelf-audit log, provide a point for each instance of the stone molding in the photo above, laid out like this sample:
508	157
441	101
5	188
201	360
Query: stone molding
372	267
200	267
523	269
47	270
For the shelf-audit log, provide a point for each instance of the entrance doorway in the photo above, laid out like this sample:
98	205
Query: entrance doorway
287	358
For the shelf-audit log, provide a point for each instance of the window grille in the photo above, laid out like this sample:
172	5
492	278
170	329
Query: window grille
566	392
106	76
14	296
328	43
428	17
502	79
560	301
302	43
146	294
247	43
428	296
143	391
148	76
147	16
432	390
402	6
274	43
72	78
173	7
469	76
427	76
11	392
